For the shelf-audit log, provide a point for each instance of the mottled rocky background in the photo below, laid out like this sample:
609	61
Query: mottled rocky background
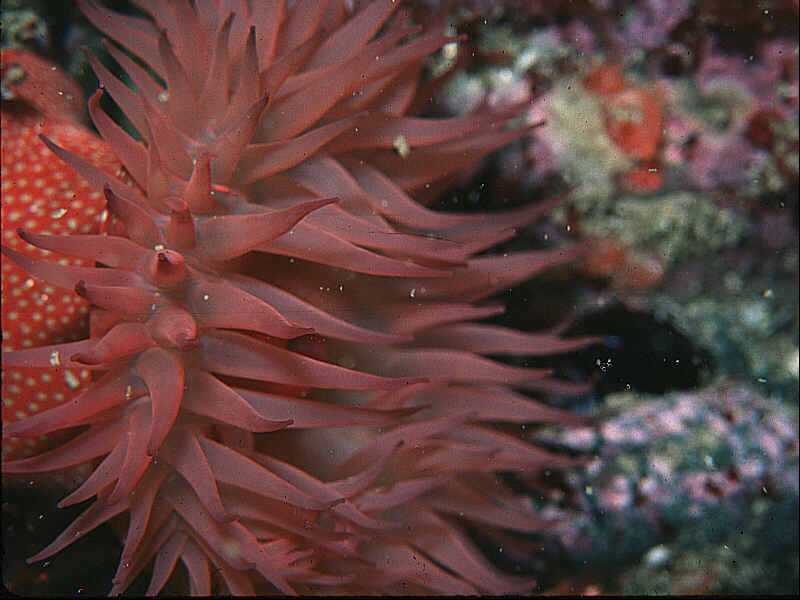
674	125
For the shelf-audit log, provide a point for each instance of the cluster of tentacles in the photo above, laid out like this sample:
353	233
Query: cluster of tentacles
288	396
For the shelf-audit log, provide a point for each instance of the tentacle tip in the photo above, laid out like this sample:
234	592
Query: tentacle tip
110	196
337	502
176	204
23	235
46	140
413	410
298	331
224	517
283	424
35	558
187	343
83	360
94	99
116	496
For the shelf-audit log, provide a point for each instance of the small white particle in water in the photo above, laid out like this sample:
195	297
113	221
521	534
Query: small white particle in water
400	145
72	380
657	556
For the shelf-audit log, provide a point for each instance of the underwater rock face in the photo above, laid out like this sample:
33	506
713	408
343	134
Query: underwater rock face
719	460
702	233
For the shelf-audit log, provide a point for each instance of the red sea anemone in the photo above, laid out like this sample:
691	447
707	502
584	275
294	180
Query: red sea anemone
288	395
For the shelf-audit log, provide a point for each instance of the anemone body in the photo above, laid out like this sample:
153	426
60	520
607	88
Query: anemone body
289	394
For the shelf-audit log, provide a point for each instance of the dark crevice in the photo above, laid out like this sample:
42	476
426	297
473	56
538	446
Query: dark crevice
641	353
30	522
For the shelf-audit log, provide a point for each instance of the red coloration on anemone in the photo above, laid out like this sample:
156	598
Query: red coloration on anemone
271	239
43	196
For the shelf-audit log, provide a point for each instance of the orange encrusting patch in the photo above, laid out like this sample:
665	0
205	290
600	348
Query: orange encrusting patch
644	178
41	194
605	80
634	122
627	269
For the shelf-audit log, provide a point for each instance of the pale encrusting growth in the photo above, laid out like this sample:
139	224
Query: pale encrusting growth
288	397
